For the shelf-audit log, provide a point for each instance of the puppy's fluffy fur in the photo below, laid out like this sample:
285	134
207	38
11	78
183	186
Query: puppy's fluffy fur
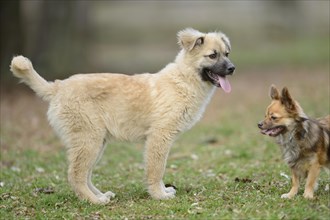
86	110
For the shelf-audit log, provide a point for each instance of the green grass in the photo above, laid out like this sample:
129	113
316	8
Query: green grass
240	179
223	168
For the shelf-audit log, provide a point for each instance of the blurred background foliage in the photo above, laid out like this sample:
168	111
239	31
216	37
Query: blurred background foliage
66	37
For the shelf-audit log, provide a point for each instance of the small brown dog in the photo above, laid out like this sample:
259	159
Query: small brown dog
304	142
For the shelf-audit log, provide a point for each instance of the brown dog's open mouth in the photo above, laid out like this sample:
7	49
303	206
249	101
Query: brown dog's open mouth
273	132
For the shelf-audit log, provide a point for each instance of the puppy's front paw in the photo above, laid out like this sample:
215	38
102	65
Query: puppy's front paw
170	189
162	192
163	195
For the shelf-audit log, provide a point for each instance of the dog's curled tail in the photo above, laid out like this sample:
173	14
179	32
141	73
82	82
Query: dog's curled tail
22	68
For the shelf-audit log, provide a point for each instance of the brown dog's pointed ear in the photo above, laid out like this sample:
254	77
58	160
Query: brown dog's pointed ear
190	38
287	100
273	93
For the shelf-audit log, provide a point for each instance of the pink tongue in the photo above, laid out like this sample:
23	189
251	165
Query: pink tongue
225	85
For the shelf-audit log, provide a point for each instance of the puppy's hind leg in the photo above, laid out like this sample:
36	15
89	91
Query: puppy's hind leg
91	186
156	152
82	156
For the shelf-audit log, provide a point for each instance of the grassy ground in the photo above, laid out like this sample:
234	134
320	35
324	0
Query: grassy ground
223	168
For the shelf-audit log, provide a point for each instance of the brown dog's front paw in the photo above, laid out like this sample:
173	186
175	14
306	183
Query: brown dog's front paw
308	195
287	196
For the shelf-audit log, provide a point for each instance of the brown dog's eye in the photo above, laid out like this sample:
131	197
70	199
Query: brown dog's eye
213	56
273	117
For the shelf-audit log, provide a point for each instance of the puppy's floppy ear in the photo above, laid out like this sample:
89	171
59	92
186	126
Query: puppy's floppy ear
273	93
190	38
288	101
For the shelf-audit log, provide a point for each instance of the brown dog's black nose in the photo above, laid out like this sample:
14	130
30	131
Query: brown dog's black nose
260	125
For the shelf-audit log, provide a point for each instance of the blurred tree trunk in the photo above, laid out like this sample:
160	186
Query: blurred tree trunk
11	38
62	37
53	34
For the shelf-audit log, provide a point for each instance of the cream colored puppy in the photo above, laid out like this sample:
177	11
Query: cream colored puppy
86	110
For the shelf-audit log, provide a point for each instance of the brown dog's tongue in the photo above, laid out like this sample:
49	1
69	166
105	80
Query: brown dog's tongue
225	85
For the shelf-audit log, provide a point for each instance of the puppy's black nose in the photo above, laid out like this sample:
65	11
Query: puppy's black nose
231	69
260	125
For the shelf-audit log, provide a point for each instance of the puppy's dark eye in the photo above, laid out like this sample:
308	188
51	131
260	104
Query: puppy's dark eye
273	117
213	56
226	54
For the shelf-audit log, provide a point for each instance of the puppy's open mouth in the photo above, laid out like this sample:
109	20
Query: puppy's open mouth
273	132
220	81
